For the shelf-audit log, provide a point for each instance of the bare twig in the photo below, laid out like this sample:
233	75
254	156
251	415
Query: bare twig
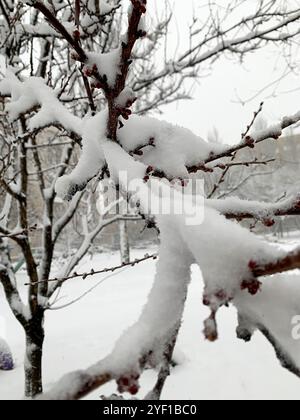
105	270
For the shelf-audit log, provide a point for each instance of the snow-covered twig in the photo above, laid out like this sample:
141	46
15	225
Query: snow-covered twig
273	132
9	285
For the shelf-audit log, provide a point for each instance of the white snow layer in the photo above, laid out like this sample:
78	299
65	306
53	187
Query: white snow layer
31	93
107	64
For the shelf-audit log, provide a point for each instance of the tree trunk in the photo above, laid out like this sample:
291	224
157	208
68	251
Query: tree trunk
33	358
124	242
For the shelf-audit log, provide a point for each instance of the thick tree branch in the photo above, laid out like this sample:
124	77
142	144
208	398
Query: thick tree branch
133	34
13	297
59	27
289	262
235	208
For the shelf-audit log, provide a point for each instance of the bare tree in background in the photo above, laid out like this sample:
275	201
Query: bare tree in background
84	65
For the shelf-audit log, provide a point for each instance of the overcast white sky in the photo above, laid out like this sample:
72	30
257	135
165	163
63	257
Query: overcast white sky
214	103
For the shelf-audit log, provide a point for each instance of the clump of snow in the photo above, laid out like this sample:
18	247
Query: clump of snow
105	7
258	209
274	131
164	307
175	147
90	20
127	95
42	29
91	160
121	163
31	93
224	263
107	64
275	309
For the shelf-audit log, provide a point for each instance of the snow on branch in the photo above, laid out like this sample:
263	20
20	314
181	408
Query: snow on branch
163	147
93	14
235	208
167	150
145	341
273	132
272	312
289	262
34	93
8	282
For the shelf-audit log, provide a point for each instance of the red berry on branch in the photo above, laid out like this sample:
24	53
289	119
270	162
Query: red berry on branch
221	295
184	183
124	381
253	286
129	383
252	265
141	34
76	34
250	142
269	222
96	85
206	301
87	71
133	389
149	170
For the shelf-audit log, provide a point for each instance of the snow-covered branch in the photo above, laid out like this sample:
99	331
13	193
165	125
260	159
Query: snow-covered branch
8	282
235	208
34	93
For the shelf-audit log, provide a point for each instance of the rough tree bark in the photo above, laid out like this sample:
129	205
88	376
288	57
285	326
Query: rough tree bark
34	330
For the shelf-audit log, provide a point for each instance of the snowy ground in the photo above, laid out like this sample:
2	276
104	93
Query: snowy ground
84	332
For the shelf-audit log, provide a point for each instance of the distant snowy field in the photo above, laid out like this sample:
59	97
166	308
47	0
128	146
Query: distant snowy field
85	332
